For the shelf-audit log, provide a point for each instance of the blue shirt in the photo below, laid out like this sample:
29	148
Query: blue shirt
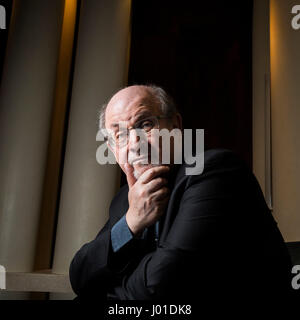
121	234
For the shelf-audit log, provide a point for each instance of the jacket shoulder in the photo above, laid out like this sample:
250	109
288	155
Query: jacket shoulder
224	157
215	161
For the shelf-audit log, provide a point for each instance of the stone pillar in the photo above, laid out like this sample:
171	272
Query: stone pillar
285	101
25	113
100	69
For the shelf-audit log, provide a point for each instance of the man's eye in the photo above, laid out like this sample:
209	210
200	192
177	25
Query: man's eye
121	135
146	125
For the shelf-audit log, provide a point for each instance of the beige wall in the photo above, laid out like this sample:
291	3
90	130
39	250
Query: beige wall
276	111
25	110
28	81
285	110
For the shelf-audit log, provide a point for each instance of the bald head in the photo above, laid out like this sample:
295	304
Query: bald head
131	93
129	101
148	94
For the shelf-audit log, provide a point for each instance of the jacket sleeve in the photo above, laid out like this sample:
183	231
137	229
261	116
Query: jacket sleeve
192	244
90	263
120	234
96	267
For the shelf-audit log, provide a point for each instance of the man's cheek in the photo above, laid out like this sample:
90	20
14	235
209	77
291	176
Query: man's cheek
121	157
155	156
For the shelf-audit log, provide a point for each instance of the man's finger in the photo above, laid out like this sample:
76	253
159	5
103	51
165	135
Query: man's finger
129	174
156	184
161	194
152	173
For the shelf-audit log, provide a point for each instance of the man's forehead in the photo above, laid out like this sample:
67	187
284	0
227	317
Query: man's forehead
125	105
131	92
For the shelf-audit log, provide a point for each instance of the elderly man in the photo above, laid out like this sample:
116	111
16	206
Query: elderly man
177	236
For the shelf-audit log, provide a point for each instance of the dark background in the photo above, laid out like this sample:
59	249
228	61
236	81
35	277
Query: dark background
201	53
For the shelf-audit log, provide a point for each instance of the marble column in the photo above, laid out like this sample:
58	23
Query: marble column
100	69
28	82
285	110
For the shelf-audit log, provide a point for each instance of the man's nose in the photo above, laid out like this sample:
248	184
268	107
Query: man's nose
137	139
133	140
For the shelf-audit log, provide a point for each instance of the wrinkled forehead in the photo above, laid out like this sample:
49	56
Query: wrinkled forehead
130	106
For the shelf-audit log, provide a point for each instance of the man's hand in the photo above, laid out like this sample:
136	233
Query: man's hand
148	197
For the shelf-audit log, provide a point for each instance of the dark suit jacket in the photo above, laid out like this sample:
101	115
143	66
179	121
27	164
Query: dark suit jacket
217	238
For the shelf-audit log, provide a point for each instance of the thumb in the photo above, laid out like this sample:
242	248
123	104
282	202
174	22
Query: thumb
129	175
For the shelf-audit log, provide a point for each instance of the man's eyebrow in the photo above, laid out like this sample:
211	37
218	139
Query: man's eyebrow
140	116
